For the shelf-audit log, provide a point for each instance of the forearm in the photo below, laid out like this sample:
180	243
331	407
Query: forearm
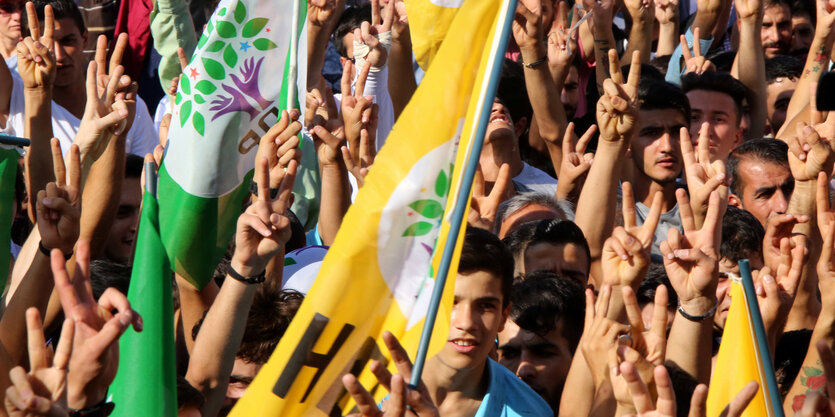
317	44
193	304
806	306
578	393
100	197
37	126
336	198
667	39
213	354
824	330
689	344
544	96
706	20
171	28
604	40
817	62
33	291
402	83
640	39
751	72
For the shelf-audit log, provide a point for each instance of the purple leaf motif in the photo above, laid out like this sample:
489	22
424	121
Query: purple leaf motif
237	102
249	85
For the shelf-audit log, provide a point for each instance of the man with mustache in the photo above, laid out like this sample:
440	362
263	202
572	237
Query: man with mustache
776	31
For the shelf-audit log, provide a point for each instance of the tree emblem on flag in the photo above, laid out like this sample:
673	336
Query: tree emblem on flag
223	50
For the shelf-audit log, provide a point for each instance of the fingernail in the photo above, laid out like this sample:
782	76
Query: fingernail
681	252
768	279
671	256
47	200
266	233
123	112
720	177
624	257
630	240
124	319
615	371
807	130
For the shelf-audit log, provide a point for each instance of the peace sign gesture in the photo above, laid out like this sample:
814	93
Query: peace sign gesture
704	174
263	229
617	109
576	163
58	206
43	391
36	62
695	62
625	256
484	206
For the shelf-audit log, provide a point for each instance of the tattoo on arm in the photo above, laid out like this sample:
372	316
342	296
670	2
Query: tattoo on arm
812	379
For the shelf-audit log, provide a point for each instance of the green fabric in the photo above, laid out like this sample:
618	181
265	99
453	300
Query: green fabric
8	171
146	382
171	27
307	191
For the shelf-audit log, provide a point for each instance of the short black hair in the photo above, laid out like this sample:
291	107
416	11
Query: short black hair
648	71
518	238
352	18
187	395
483	251
560	232
720	82
512	92
106	274
805	8
782	66
764	150
723	60
542	299
742	235
61	9
661	95
656	275
661	63
133	165
772	3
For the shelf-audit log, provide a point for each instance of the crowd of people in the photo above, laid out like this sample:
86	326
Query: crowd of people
636	151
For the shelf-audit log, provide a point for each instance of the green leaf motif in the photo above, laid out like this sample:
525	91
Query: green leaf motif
441	184
178	99
221	12
812	371
289	261
418	229
199	123
185	85
226	30
214	68
240	12
210	27
199	99
263	44
428	208
205	87
216	46
254	27
230	57
202	41
185	112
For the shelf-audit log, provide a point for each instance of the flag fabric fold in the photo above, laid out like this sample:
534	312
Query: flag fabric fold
379	273
230	94
8	174
146	382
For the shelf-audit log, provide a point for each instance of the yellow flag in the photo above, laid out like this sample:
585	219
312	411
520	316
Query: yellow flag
738	362
429	21
378	275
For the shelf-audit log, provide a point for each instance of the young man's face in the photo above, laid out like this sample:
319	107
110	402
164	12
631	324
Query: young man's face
777	97
571	92
500	125
776	30
656	152
477	317
541	361
766	189
803	32
69	53
719	111
120	239
243	373
567	260
10	11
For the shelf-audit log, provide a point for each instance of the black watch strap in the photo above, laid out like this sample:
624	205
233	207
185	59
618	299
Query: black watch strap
246	280
102	409
253	189
46	251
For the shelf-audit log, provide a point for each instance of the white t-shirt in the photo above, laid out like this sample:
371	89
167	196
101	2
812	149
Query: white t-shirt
535	179
141	139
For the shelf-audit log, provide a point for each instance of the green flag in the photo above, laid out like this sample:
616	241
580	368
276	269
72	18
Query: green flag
8	171
146	383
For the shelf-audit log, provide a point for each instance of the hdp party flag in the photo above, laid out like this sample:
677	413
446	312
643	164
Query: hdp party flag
429	21
8	172
231	93
378	275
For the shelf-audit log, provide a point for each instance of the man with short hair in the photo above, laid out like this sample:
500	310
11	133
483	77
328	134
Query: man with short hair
461	379
776	31
781	76
527	207
560	247
715	98
542	332
10	33
119	245
761	181
803	27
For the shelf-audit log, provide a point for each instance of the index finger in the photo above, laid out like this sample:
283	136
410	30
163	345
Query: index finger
101	55
658	325
686	147
633	311
35	340
822	195
398	355
49	26
685	49
32	18
263	167
704	143
285	190
697	46
651	222
345	83
58	163
614	67
628	206
359	87
118	51
634	72
688	223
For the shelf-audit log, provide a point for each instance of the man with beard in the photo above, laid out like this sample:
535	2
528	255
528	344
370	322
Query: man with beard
542	332
776	31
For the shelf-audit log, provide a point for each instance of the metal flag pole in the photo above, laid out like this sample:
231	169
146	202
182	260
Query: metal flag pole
761	342
485	105
292	89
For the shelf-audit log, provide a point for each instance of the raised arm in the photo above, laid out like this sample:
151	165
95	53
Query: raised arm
402	83
262	232
171	29
642	13
604	39
322	16
666	13
817	61
751	61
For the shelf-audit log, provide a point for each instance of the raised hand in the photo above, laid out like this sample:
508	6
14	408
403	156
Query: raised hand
356	108
776	296
691	259
105	115
666	12
403	401
640	9
665	405
279	146
527	24
562	42
484	206
319	12
826	225
320	108
617	109
58	206
744	8
367	153
626	253
43	391
704	174
695	62
35	60
329	146
95	357
778	228
576	163
368	45
601	334
809	153
263	229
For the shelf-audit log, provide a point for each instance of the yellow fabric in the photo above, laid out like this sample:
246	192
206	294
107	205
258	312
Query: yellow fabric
386	230
429	21
737	363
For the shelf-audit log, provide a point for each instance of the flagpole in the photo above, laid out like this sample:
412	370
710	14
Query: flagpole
292	88
488	93
761	342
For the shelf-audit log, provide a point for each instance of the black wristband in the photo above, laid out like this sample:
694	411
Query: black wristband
102	409
48	254
246	280
697	319
253	189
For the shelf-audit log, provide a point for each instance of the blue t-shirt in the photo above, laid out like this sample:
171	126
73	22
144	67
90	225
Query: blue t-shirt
508	396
